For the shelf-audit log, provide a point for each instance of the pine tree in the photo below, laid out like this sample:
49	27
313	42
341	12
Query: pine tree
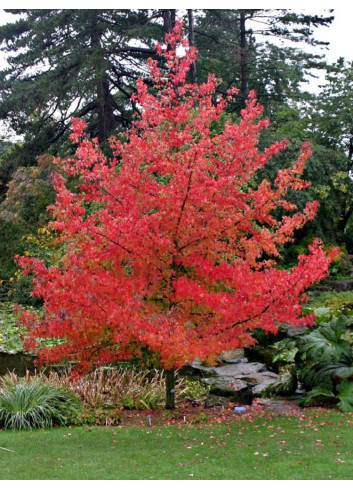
64	63
332	127
259	50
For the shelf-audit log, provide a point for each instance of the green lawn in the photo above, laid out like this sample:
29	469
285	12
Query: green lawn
317	446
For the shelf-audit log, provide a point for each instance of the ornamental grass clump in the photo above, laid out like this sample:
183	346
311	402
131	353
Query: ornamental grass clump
127	388
119	388
34	402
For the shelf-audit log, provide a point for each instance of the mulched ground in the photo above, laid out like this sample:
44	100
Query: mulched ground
196	414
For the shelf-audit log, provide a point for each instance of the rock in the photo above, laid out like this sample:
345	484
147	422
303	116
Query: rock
259	381
238	369
294	331
213	400
286	385
261	354
198	365
259	388
260	377
233	389
240	381
344	285
233	356
279	406
227	384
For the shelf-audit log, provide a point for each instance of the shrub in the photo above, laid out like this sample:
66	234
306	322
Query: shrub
193	390
198	419
337	301
34	402
99	416
10	332
323	363
10	340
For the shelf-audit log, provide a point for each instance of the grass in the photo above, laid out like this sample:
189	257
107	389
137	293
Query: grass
34	402
318	445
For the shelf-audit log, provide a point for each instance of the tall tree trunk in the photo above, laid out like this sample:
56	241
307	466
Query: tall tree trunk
350	150
192	42
106	120
105	105
347	213
243	60
170	389
169	16
345	217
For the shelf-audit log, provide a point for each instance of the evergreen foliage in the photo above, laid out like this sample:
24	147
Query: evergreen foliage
66	62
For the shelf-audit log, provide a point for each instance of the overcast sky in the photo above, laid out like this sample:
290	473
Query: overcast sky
339	34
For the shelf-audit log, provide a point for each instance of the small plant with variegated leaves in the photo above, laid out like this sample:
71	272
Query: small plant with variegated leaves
34	402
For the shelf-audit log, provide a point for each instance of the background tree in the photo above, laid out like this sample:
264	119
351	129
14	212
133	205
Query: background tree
260	50
170	246
66	62
22	213
295	122
332	128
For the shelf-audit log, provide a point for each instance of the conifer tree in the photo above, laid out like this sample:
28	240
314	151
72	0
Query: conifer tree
65	63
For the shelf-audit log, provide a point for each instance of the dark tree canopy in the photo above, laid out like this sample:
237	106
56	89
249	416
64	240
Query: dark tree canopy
246	48
72	62
332	127
64	63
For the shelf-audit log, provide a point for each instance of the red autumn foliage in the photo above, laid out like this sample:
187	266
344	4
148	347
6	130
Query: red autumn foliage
168	246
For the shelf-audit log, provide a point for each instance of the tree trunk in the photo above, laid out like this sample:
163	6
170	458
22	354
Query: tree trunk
105	106
350	150
346	214
192	43
106	119
169	16
243	60
170	389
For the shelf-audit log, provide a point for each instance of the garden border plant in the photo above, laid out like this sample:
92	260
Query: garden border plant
35	402
320	361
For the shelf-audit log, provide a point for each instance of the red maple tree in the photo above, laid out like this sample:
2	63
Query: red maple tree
169	246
